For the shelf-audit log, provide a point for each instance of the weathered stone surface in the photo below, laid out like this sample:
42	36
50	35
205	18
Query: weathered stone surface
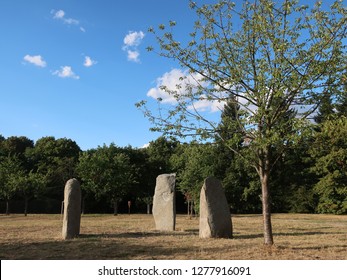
72	209
164	203
215	218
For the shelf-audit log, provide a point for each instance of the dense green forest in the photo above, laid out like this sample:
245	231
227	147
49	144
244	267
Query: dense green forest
309	177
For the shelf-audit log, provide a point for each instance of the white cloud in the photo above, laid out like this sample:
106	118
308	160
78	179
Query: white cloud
204	105
133	56
145	146
66	72
179	81
71	21
36	60
131	42
88	62
133	39
60	15
170	80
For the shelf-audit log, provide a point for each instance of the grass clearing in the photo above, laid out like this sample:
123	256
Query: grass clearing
296	236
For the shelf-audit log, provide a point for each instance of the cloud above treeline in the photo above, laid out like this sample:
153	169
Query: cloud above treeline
66	72
35	59
181	82
60	15
88	62
131	43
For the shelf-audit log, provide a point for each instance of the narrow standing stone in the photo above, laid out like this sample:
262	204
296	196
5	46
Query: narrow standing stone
72	209
164	204
215	218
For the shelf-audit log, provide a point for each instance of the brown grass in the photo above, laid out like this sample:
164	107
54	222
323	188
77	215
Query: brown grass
134	237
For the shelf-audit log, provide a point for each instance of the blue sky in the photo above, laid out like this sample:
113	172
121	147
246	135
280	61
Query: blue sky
75	69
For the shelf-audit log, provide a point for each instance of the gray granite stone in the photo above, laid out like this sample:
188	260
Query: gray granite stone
72	209
215	218
164	203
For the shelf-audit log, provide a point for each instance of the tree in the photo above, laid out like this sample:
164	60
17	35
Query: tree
148	200
107	173
29	185
330	153
21	179
56	159
159	153
292	180
194	163
325	109
272	57
145	167
239	179
10	171
17	145
342	102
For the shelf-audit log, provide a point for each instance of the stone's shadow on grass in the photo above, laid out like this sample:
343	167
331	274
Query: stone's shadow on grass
138	234
90	247
191	232
100	246
194	231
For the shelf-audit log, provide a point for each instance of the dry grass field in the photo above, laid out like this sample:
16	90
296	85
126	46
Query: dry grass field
297	236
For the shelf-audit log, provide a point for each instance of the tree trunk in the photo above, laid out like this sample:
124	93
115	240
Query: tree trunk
264	178
7	207
26	203
115	208
148	208
192	208
62	209
83	205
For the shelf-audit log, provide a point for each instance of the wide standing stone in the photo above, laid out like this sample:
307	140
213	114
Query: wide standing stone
215	218
164	203
72	209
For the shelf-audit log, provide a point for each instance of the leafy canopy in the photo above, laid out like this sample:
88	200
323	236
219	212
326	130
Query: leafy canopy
272	57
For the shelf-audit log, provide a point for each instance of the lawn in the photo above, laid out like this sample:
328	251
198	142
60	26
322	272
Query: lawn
296	236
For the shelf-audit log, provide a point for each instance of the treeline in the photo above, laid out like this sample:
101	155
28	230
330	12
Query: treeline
309	177
33	175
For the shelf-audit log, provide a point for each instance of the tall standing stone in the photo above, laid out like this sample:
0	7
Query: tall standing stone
72	209
164	203
215	218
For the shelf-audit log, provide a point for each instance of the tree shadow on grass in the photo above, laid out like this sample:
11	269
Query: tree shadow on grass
342	247
304	233
101	246
247	236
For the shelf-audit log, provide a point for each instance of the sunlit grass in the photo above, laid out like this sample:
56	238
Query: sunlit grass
134	237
